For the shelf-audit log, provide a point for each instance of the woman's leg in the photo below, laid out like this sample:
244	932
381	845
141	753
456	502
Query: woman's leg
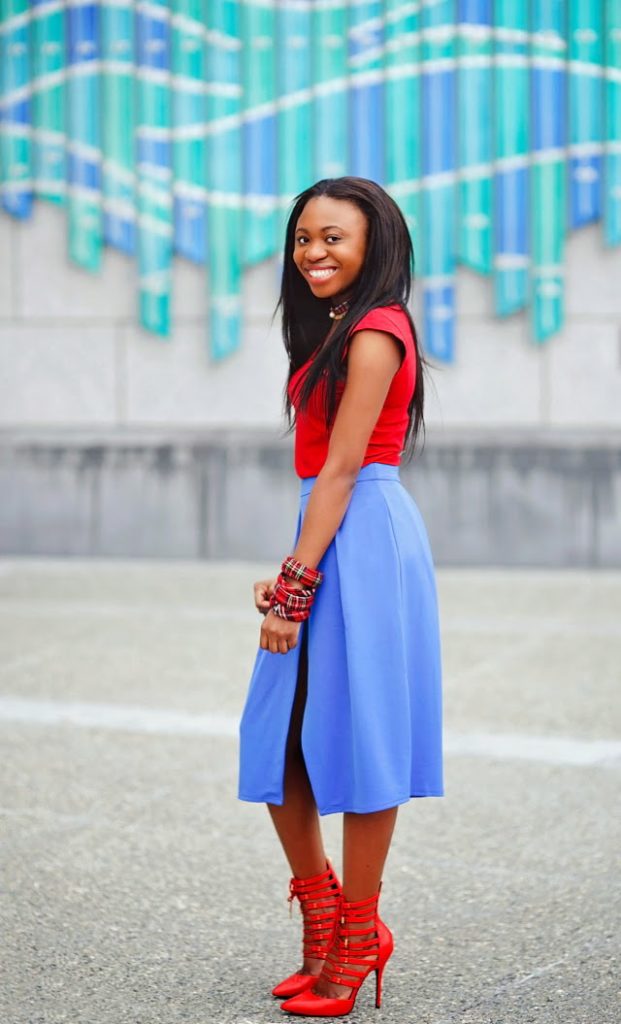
366	841
296	820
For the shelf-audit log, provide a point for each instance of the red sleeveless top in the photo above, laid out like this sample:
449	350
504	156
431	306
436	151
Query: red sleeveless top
386	441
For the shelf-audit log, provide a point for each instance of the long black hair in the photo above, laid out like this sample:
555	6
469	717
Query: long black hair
385	279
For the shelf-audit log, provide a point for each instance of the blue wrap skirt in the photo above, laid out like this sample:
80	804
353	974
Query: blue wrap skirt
372	727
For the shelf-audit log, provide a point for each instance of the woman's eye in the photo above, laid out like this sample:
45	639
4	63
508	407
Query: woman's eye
302	239
335	238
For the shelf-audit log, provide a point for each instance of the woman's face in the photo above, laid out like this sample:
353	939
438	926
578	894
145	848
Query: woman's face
330	245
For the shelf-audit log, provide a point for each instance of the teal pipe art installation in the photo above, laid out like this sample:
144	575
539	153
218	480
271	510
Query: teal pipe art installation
259	92
118	126
49	151
182	129
154	179
330	107
612	108
548	173
16	170
512	124
402	149
84	129
437	249
224	174
474	134
189	85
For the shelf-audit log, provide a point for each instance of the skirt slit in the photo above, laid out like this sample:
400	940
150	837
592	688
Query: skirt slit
293	748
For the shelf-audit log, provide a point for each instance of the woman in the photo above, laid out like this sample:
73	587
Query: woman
344	707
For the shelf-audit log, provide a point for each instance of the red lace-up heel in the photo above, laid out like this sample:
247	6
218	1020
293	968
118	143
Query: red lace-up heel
319	898
362	944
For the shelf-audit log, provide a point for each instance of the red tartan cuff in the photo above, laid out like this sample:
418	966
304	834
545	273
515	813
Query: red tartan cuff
289	602
295	570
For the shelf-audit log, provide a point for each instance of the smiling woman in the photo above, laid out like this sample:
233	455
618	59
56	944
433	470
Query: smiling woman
344	709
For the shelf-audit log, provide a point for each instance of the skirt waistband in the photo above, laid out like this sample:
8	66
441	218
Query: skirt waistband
372	471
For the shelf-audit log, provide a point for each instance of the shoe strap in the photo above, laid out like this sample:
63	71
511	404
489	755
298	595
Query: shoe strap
319	897
356	947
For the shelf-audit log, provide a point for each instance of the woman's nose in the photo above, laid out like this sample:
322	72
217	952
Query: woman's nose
316	250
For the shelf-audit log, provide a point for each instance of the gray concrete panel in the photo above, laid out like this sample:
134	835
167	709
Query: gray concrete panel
7	270
66	375
521	500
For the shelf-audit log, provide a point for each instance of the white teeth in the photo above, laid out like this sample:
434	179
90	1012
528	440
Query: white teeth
322	273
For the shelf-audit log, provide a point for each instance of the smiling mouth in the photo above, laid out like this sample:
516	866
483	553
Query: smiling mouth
321	273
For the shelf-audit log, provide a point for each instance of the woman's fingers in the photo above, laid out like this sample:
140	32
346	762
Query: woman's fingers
279	636
262	593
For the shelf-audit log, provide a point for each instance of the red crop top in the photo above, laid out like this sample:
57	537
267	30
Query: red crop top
386	441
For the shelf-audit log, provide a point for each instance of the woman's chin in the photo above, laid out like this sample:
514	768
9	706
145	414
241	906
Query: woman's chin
323	293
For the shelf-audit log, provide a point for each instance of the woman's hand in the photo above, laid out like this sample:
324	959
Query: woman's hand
262	593
279	635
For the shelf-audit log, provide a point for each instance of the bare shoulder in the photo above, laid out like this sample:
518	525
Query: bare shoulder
372	349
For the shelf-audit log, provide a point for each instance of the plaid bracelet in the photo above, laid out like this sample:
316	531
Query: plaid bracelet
282	613
290	602
291	597
298	571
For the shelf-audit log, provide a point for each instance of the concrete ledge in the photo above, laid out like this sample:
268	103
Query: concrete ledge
517	498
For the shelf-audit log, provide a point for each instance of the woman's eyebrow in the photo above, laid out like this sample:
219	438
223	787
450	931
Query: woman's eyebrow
326	228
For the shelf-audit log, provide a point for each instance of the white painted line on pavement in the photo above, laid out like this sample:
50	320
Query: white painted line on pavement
562	750
555	750
122	717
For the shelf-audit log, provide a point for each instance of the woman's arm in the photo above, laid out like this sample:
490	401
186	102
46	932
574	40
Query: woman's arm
374	358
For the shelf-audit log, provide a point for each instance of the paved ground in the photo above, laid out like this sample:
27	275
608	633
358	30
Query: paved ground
137	889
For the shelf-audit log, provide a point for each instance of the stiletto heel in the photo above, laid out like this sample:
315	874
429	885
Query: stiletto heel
319	898
362	944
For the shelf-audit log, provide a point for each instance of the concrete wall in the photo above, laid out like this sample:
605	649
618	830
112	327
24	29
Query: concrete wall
115	442
531	500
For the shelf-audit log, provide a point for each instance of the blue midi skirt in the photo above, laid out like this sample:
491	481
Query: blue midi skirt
372	726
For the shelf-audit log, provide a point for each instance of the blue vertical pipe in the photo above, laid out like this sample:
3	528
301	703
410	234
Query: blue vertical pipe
189	107
15	135
612	174
585	111
153	153
474	134
366	61
118	125
438	133
48	101
548	155
224	176
511	189
84	134
258	29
